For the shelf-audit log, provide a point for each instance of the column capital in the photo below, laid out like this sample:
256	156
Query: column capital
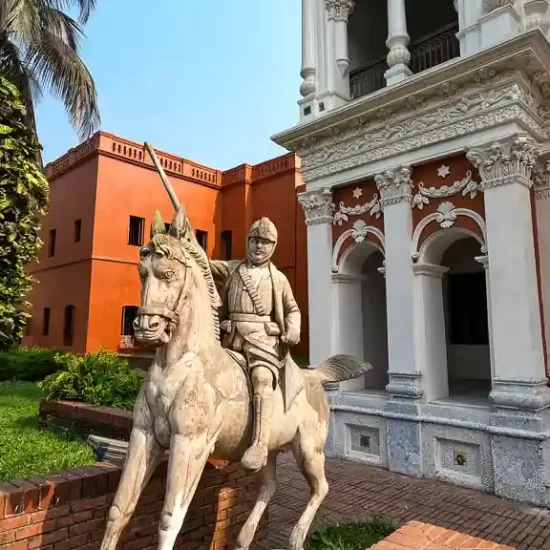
394	185
339	10
317	206
505	162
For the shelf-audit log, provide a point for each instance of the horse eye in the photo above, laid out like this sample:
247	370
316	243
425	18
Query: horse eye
168	274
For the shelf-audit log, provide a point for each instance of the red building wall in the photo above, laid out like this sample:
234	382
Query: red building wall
108	179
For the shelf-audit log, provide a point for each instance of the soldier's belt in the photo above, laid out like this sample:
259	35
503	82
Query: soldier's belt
249	318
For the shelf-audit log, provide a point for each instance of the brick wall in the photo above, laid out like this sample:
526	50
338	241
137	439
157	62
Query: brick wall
68	510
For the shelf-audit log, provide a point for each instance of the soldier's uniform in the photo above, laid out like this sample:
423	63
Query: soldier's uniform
258	309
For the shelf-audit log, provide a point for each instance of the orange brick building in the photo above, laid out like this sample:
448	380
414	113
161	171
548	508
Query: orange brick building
104	194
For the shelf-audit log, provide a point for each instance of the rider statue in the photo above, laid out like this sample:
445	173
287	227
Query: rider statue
260	319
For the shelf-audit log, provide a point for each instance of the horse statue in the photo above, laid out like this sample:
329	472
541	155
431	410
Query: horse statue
196	399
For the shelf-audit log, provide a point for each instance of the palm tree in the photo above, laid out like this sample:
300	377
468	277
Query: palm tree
39	50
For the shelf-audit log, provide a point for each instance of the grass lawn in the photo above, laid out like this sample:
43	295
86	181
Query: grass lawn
27	446
350	536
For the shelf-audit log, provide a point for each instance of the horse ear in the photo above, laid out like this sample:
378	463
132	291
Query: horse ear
179	224
158	225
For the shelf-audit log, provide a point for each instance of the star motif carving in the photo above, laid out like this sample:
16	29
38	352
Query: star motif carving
443	171
357	192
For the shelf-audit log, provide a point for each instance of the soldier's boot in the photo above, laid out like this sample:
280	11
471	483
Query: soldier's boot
255	458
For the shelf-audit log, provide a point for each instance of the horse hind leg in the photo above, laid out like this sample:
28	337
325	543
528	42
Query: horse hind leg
268	487
311	460
188	456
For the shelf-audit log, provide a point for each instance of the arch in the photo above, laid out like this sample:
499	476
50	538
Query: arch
435	245
446	216
356	254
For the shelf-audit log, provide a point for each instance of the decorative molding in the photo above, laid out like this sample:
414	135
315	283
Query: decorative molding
431	270
483	260
506	162
395	186
317	206
372	207
491	5
365	230
339	10
405	385
541	179
511	87
446	216
467	185
520	394
346	278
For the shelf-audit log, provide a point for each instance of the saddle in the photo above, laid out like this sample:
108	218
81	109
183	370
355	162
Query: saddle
240	359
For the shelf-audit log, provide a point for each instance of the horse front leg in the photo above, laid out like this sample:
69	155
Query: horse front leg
188	456
144	454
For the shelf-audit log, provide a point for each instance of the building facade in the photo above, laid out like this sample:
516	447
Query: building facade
103	196
424	137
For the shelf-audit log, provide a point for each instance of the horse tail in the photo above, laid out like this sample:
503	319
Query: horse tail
339	368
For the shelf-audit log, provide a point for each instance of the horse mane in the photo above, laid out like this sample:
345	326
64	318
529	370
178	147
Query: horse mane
197	253
161	242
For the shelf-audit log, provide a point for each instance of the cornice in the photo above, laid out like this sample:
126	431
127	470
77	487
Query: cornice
507	83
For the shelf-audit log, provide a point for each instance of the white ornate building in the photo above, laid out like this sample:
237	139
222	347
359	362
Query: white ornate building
424	135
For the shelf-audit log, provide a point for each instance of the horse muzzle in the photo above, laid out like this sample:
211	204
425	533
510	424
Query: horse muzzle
152	326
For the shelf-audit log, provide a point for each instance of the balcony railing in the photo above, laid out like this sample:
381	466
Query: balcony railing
431	50
126	342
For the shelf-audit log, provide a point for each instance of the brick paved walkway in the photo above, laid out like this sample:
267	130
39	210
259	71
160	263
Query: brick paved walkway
359	491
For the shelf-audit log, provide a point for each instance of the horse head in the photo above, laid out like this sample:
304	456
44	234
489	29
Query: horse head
165	270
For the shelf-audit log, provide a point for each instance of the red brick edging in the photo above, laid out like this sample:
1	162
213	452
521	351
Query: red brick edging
416	535
68	510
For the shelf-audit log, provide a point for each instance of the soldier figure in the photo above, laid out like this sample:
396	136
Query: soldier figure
260	318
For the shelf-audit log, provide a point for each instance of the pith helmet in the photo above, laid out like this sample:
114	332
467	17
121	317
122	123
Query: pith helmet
263	228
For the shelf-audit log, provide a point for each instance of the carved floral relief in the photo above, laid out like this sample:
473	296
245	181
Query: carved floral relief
442	189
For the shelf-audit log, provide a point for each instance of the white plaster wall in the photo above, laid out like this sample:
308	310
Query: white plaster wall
375	323
465	362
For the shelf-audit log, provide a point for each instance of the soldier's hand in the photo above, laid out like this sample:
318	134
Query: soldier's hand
291	337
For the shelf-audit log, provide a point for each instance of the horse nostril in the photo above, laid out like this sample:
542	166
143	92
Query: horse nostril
154	324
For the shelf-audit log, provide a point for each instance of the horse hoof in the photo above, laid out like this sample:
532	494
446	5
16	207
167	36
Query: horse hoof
254	459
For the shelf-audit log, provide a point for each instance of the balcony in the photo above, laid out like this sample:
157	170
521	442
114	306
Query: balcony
431	50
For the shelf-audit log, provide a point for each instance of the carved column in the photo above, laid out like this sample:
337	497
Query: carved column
405	379
308	72
338	13
317	206
520	391
505	169
398	39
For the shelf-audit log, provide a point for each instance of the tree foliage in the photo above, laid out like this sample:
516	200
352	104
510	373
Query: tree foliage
40	50
23	199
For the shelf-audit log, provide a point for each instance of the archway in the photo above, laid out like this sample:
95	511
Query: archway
466	320
453	302
361	308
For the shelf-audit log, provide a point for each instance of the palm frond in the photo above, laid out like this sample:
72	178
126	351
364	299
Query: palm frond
58	67
59	23
85	7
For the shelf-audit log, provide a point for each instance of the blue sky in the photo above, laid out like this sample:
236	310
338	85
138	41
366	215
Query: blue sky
207	80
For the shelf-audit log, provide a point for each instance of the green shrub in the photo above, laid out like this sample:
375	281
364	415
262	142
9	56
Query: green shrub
100	378
28	364
357	535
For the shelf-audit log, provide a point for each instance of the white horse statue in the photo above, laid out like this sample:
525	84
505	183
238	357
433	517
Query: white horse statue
196	402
